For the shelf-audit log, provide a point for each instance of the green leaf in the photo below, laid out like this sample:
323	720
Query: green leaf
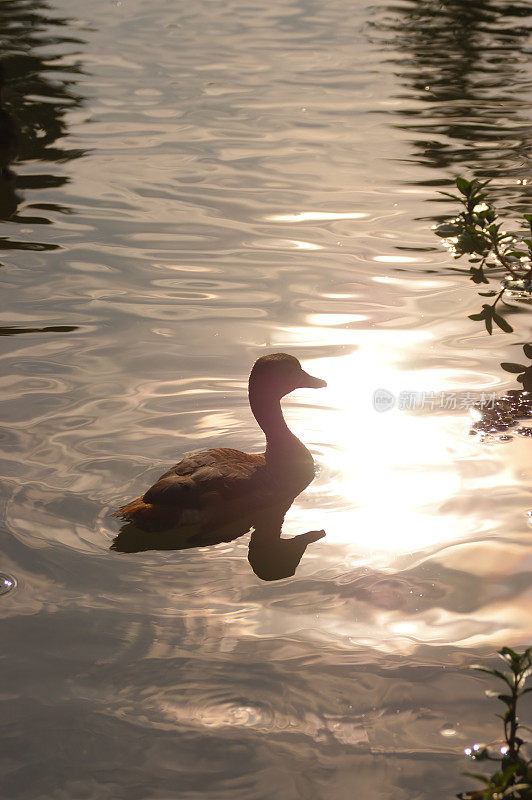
517	787
477	275
501	322
507	653
510	771
509	366
464	186
453	196
495	672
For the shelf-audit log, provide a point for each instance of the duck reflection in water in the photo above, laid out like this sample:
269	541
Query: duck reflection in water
218	495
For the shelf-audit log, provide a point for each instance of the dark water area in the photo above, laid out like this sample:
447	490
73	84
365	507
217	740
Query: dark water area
188	188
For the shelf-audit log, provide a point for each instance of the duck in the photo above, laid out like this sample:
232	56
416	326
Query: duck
219	494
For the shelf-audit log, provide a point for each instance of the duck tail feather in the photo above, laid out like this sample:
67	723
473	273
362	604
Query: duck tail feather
146	516
130	510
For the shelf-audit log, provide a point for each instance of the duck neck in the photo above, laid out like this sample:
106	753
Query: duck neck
267	411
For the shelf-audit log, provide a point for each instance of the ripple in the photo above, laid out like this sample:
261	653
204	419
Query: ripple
316	216
7	583
501	415
197	185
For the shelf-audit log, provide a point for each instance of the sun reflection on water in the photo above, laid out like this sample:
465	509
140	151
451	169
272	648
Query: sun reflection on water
389	483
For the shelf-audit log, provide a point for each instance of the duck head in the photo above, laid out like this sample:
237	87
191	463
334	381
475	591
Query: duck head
279	374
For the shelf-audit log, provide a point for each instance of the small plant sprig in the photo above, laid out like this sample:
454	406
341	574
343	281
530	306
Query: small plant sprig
477	232
523	372
513	779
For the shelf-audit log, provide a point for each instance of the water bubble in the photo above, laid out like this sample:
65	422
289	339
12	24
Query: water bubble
524	431
448	731
503	415
6	583
519	288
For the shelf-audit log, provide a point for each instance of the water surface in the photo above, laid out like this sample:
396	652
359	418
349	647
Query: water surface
196	186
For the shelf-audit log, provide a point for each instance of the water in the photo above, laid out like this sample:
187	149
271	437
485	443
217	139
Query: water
196	186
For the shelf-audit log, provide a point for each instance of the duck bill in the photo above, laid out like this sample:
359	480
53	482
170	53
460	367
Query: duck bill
309	382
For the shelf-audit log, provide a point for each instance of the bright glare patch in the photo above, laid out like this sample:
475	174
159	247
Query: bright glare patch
397	259
416	283
384	478
404	628
475	414
448	732
334	319
315	216
391	467
305	245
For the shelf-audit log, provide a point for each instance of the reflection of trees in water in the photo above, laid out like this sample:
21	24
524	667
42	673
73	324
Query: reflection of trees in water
37	92
505	416
464	60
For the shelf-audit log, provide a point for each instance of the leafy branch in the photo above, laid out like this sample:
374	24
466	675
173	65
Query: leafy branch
476	232
523	372
513	778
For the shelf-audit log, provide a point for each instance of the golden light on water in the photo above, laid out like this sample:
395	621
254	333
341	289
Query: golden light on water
389	482
407	498
387	469
316	216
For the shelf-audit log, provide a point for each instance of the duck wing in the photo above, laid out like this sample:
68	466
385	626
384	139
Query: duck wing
209	476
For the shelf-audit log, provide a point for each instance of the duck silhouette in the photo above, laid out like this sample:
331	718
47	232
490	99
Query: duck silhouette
218	495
